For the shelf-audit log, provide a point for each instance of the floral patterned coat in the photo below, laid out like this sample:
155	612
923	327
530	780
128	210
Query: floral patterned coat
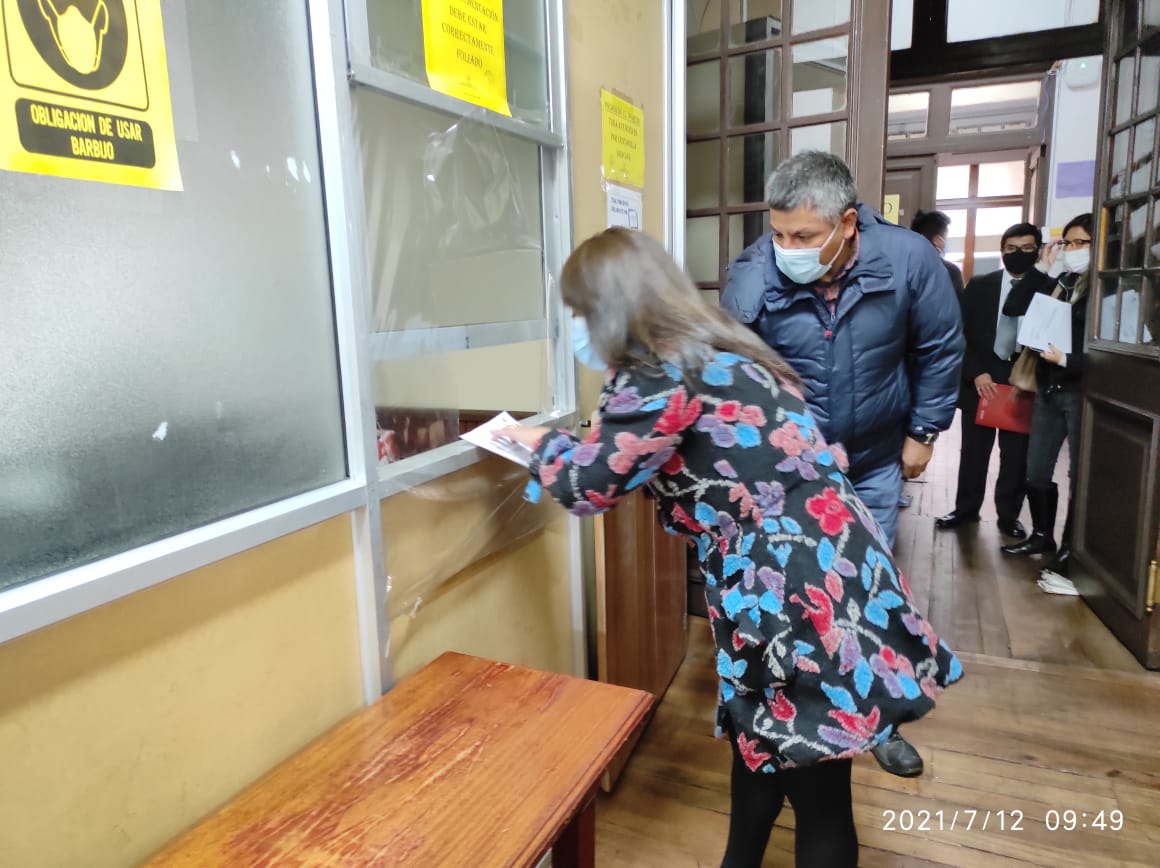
820	650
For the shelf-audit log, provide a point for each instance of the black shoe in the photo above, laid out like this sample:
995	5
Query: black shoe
1037	544
1013	529
898	756
1060	563
953	520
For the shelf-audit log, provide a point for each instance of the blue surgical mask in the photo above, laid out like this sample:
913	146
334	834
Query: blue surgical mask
582	346
805	265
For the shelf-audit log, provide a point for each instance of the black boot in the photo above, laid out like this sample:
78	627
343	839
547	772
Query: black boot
1059	564
1044	501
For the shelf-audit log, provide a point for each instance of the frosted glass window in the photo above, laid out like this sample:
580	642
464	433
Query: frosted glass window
984	19
703	26
993	108
170	357
991	223
1124	72
453	216
754	88
906	115
702	248
702	178
819	77
901	24
819	137
1002	179
703	97
396	35
953	182
811	15
753	20
751	160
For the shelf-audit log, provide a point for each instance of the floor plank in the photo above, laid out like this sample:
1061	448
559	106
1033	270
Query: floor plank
1022	738
1053	715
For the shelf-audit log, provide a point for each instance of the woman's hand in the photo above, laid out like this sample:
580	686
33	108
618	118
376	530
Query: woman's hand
1053	355
1049	253
529	437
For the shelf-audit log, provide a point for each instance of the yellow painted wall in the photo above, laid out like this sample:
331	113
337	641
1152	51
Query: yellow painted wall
122	726
618	45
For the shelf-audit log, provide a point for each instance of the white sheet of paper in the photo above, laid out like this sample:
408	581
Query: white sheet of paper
625	207
1048	320
510	450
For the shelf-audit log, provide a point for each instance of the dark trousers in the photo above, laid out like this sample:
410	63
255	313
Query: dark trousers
978	441
1057	418
824	834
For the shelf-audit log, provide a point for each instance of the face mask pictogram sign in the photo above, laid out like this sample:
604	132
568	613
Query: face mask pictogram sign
84	92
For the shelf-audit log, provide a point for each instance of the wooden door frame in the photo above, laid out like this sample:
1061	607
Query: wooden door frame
1112	385
867	63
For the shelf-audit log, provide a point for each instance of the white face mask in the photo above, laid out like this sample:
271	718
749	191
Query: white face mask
582	346
805	265
1077	260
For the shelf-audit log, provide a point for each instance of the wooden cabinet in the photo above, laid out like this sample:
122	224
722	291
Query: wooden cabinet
641	620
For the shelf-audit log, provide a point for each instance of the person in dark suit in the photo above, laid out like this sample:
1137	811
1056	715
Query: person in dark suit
991	353
933	226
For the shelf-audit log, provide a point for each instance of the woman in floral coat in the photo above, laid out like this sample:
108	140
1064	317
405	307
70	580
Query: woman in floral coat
820	650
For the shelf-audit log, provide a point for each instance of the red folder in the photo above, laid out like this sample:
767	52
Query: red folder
1010	410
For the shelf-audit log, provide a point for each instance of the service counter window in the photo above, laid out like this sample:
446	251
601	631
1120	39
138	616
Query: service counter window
169	356
462	168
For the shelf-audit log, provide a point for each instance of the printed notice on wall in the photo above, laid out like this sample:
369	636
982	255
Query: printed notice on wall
84	92
625	207
622	131
890	206
463	45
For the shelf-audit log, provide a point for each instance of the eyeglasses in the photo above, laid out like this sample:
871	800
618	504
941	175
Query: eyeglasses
1026	248
1077	244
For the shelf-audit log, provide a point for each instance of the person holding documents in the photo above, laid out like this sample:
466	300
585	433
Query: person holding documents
821	653
991	352
1063	270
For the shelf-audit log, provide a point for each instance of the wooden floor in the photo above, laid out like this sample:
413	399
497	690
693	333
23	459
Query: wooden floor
1053	715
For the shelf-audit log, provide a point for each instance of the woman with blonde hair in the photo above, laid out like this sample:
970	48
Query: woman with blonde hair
821	653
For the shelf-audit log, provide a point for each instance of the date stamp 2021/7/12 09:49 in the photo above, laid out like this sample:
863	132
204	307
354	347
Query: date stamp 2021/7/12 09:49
1013	821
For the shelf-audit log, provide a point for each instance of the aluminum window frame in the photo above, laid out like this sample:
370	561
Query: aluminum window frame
335	67
556	236
37	604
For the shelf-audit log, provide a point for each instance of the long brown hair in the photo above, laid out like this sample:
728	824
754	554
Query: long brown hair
642	308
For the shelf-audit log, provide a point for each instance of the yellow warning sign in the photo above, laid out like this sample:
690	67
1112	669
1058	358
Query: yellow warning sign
622	134
463	46
890	205
84	92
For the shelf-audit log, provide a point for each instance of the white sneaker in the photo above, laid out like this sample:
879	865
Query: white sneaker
1054	583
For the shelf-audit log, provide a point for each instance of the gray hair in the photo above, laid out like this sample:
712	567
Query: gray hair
815	180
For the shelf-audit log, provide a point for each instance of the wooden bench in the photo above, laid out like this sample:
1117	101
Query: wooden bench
467	762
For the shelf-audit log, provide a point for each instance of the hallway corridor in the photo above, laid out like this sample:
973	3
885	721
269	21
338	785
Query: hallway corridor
1053	715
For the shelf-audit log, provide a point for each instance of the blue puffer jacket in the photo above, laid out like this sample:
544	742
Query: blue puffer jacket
886	362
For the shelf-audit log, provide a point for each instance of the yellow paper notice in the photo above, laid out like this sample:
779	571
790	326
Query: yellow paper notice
622	129
84	92
463	45
890	205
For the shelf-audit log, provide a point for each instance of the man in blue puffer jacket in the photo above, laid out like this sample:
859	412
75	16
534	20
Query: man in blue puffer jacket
866	314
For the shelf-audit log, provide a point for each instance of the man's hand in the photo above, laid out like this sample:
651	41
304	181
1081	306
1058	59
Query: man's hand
985	386
915	457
